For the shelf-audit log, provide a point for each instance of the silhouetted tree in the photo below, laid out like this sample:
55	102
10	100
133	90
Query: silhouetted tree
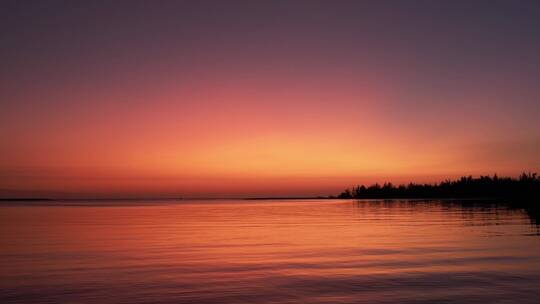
526	186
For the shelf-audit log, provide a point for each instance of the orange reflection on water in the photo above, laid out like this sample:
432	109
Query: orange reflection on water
264	251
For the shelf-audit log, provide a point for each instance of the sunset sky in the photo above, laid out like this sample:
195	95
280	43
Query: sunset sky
257	98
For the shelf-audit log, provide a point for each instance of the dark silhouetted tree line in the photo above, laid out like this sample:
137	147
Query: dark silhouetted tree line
525	186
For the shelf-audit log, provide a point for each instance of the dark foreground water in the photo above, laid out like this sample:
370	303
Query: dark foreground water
304	251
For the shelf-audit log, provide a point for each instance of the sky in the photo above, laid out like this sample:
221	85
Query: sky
263	98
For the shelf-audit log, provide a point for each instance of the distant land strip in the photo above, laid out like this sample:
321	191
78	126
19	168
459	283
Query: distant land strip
526	186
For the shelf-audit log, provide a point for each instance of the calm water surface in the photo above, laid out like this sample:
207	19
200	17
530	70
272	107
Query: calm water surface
305	251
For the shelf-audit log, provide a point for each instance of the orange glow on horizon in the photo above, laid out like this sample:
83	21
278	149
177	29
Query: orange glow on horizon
226	144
